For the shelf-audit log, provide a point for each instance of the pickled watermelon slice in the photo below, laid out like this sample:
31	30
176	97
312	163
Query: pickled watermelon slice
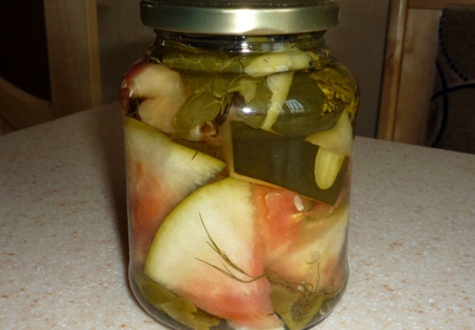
207	251
160	174
302	240
304	255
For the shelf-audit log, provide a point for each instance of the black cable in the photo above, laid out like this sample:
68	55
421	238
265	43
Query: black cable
453	89
445	109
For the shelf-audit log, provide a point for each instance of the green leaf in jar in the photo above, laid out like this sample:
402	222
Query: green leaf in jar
198	109
321	58
216	84
296	303
178	308
208	100
339	87
189	58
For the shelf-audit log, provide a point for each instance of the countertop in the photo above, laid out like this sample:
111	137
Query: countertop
63	234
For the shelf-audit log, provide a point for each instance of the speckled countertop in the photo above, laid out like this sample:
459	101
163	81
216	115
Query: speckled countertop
63	235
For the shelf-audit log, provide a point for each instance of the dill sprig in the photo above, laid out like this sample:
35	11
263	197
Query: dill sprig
229	264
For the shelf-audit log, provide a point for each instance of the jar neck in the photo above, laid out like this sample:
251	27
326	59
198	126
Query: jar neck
241	44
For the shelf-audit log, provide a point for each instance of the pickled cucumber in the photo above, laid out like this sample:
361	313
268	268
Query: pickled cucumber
282	161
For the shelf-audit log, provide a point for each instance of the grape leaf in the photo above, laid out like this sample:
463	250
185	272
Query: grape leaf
209	99
178	308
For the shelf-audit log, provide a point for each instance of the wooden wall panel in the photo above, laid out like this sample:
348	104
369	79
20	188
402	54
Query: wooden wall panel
417	76
392	69
72	39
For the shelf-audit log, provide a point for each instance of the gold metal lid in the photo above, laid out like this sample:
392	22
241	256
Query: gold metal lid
240	17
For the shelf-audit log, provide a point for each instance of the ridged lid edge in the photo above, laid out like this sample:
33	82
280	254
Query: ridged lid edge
239	20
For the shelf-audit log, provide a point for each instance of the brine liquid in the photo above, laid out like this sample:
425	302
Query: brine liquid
299	242
238	183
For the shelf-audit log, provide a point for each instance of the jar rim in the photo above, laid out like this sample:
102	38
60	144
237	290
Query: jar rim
257	17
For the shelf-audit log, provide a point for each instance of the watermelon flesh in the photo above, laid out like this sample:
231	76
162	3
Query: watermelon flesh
226	280
298	246
160	173
229	245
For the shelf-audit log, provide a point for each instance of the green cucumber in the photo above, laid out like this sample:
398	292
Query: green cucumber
287	162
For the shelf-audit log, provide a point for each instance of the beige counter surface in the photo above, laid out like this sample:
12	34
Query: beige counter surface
63	235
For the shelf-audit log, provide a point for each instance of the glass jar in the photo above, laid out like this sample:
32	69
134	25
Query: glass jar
238	137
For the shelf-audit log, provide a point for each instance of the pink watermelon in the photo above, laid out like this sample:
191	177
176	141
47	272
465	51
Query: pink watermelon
207	251
160	173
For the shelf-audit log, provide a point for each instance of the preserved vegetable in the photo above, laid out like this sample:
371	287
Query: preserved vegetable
238	176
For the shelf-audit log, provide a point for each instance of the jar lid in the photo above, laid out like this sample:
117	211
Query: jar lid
240	17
